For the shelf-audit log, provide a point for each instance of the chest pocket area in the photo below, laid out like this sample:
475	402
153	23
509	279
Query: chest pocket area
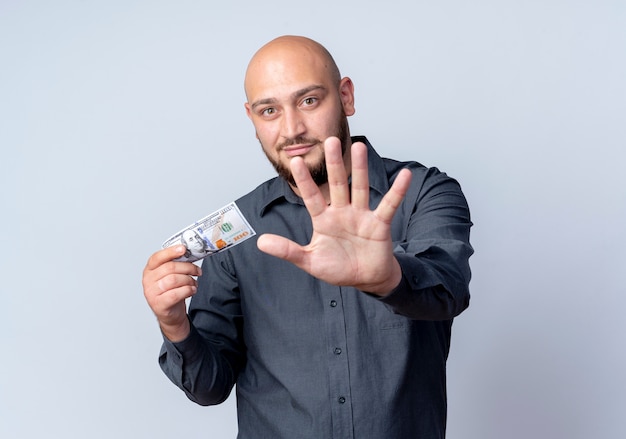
383	318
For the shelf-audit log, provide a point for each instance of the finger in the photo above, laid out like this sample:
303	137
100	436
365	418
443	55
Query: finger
152	277
176	281
186	268
281	247
337	176
165	255
157	282
360	177
168	268
310	193
392	199
170	307
166	294
165	304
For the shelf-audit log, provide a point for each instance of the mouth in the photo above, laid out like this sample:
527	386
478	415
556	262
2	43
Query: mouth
296	150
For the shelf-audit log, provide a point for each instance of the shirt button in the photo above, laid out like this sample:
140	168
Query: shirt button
333	303
337	351
341	400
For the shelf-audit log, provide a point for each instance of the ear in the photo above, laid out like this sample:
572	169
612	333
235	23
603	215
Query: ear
249	114
346	93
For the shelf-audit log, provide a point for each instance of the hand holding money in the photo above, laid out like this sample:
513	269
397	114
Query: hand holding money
168	277
166	285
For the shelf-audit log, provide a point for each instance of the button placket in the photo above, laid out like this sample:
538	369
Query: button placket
338	364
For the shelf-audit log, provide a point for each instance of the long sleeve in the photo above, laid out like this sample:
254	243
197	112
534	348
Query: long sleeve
433	249
205	365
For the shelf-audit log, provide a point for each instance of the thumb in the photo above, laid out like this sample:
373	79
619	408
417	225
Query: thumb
280	247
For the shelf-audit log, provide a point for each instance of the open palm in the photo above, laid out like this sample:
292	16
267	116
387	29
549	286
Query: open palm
351	244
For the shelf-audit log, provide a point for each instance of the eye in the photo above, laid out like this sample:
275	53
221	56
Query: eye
309	101
268	111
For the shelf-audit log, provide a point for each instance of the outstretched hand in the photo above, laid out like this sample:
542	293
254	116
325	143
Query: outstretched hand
351	244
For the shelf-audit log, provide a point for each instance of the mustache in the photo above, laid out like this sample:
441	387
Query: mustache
298	141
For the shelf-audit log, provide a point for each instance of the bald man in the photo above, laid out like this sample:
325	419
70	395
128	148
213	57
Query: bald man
335	322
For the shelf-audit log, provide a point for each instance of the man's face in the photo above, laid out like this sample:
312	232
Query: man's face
295	104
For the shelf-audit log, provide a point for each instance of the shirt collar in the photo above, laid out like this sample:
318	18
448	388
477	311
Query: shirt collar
278	189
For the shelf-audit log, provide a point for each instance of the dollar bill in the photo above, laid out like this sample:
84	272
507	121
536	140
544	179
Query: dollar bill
214	233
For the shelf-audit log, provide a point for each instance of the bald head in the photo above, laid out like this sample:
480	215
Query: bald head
289	53
296	99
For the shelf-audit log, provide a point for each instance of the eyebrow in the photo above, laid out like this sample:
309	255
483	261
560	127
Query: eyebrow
295	95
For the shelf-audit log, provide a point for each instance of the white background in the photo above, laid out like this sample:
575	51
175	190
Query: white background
123	121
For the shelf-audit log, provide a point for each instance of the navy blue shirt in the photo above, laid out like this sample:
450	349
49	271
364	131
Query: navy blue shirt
314	360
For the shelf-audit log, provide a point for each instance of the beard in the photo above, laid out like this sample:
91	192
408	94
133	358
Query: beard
318	171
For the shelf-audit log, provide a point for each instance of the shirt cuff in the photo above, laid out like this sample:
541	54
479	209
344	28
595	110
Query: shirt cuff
187	350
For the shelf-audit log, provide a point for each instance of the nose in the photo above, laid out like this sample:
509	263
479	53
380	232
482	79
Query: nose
293	125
